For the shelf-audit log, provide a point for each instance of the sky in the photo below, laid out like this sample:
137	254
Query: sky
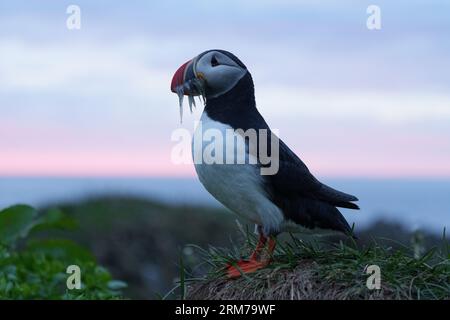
350	101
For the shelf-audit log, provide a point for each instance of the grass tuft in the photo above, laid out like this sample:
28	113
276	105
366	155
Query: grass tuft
310	269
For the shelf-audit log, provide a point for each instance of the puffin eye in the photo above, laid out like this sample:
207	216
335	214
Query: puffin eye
214	62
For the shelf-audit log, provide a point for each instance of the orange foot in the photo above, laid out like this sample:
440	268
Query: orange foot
244	266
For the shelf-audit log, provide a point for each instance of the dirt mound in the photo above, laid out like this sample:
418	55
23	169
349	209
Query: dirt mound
300	283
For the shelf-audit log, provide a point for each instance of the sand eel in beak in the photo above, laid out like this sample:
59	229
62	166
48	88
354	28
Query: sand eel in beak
288	197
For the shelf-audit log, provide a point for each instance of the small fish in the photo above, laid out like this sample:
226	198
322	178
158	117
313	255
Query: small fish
180	93
194	88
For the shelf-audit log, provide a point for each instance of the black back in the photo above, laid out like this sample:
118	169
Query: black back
299	195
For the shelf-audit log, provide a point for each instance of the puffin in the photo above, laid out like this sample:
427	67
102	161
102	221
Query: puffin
287	199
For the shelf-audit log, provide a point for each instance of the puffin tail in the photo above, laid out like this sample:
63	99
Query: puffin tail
337	198
348	205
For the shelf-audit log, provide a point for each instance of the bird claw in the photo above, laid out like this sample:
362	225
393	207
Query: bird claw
244	267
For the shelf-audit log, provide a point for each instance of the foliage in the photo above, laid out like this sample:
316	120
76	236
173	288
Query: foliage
141	242
139	239
35	267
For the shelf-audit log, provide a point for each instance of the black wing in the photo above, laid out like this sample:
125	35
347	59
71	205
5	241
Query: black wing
303	198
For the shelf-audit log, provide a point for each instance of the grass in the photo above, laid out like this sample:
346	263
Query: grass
133	239
309	269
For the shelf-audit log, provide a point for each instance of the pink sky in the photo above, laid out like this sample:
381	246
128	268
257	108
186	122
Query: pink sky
349	101
41	151
159	164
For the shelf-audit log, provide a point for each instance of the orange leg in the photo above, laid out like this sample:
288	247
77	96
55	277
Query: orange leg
253	264
261	244
272	244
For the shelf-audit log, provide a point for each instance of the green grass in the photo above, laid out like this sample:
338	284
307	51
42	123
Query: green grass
307	269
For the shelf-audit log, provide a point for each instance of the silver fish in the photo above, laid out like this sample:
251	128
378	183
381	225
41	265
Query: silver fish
180	93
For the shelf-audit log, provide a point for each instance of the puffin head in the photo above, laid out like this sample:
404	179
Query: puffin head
210	74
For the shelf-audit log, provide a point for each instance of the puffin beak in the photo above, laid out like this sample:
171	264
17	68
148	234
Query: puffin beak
185	82
179	76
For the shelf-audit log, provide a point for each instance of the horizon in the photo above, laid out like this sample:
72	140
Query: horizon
140	175
412	203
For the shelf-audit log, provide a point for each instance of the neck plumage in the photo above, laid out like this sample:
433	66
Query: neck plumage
236	103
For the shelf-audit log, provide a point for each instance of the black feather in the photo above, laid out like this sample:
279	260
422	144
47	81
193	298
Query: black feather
348	205
301	197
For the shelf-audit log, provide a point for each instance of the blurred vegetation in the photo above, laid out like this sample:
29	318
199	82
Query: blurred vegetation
34	267
143	242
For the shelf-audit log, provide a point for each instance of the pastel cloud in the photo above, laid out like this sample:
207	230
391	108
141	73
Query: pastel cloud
349	102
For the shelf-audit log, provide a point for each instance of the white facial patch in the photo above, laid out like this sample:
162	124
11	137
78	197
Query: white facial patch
220	76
